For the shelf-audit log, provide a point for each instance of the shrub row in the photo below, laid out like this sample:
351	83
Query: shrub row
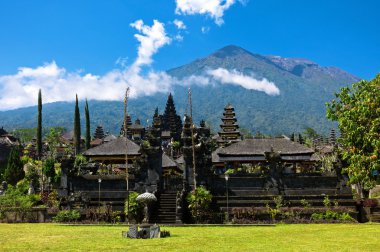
246	215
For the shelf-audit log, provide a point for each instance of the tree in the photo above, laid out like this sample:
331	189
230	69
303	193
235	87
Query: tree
357	110
53	140
77	133
310	133
88	133
39	126
48	168
14	171
300	139
246	133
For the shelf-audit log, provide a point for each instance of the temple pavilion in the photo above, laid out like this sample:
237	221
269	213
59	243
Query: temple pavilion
250	153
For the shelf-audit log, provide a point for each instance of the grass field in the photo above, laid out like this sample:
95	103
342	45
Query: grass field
305	237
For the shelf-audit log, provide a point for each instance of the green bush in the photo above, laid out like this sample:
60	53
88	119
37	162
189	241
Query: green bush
332	215
136	210
305	203
326	201
67	216
199	203
15	200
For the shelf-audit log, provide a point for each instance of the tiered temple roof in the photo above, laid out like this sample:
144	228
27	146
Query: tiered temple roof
230	129
171	121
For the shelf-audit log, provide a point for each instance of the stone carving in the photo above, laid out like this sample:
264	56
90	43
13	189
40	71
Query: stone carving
275	170
3	187
145	231
31	188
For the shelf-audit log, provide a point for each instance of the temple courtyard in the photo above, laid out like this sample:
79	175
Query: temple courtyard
282	237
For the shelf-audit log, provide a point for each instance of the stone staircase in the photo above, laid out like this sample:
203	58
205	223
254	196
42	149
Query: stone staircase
374	214
166	208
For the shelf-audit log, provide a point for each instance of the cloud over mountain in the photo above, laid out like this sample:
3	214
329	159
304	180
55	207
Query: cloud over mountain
248	82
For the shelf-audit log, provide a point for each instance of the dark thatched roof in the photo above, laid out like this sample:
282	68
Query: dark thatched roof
3	132
109	138
215	157
252	147
180	160
167	161
68	135
136	126
114	148
96	141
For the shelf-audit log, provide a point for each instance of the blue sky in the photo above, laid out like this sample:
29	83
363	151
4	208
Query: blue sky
75	39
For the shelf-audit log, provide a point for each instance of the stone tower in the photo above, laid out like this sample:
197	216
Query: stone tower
154	152
188	152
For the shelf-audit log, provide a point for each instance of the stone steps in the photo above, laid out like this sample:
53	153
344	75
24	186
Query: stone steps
375	214
166	210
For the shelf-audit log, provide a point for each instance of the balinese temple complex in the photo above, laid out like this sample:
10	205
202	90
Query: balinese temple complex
164	157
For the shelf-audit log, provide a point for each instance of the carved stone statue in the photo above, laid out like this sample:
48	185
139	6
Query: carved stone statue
3	187
31	188
275	170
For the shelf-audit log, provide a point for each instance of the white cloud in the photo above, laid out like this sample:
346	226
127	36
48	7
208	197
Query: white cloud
194	80
213	8
226	77
205	29
122	61
233	77
178	37
151	39
21	89
179	24
57	84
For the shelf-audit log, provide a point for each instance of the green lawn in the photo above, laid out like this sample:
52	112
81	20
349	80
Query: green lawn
305	237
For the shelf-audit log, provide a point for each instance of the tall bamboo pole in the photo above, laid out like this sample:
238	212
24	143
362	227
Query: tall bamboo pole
126	147
192	139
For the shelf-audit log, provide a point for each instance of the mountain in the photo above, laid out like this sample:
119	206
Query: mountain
304	88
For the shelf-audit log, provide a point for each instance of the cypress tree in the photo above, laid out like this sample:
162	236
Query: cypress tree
88	133
39	126
300	139
77	132
14	171
292	137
